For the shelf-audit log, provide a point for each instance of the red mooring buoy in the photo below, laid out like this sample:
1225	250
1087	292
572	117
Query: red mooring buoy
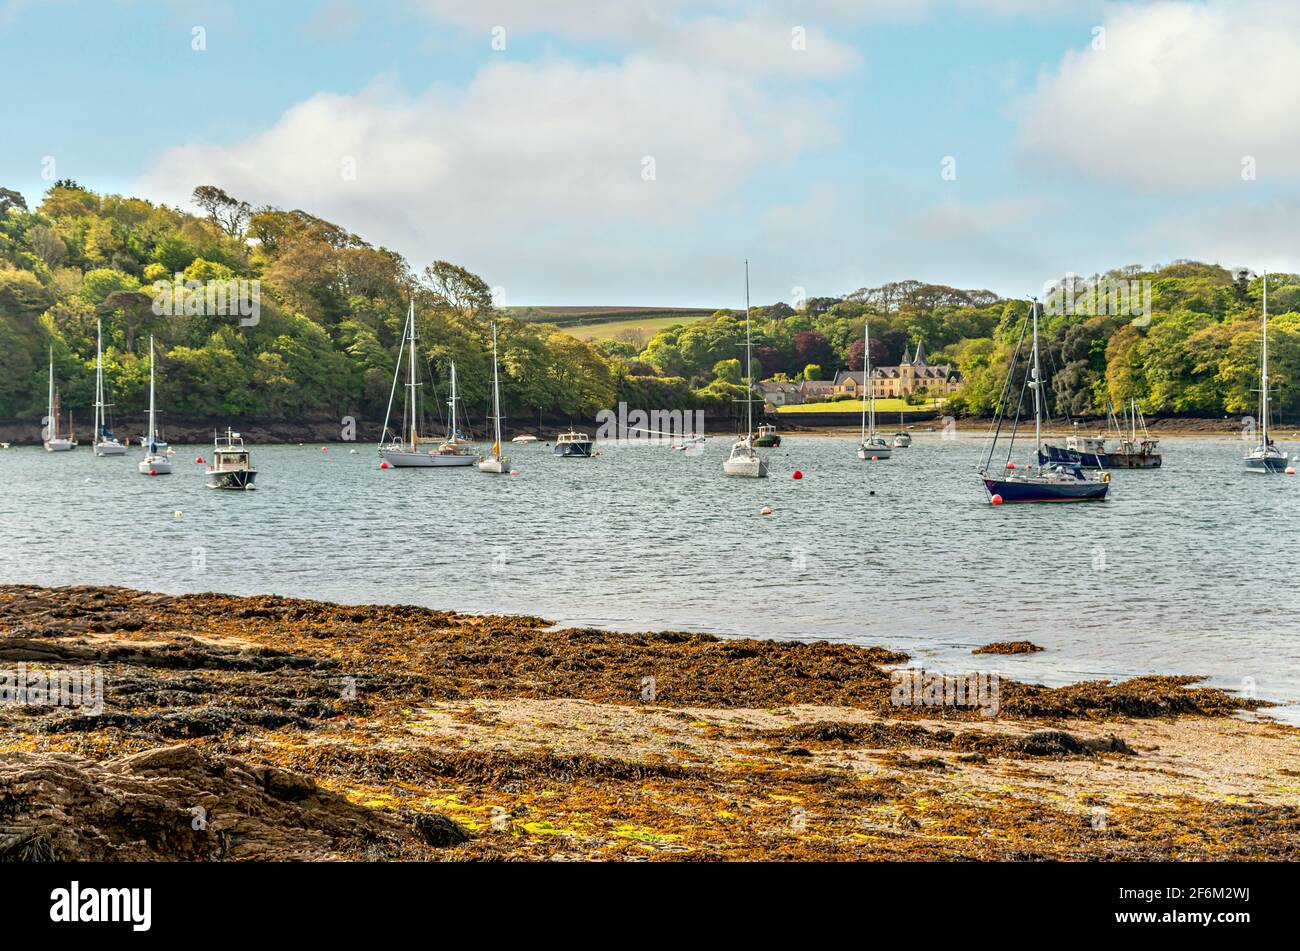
996	500
383	465
797	474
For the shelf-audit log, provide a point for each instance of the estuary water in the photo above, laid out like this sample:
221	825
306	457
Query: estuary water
1187	569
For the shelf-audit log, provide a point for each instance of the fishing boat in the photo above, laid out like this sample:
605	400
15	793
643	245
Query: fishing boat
156	459
230	467
1053	482
54	441
494	462
573	444
871	445
105	443
1135	452
402	450
768	437
744	460
1266	457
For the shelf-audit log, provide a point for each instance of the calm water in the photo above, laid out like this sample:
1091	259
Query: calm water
1188	569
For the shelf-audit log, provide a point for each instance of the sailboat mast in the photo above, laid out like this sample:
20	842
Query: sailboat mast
1038	405
749	365
99	381
411	383
496	396
866	378
153	429
866	373
1263	371
451	425
54	423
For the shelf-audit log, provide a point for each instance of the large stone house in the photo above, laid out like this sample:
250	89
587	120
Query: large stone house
903	380
784	393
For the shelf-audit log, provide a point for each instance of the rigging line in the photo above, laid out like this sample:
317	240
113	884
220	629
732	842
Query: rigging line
1000	411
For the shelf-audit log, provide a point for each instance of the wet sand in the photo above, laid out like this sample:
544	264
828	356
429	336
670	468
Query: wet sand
302	729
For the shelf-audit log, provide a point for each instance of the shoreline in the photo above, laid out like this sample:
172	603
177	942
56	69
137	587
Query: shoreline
329	430
425	735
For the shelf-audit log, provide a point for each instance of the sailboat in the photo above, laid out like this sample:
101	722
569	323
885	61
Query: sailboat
449	452
494	462
104	443
403	451
1055	482
53	441
902	438
1265	457
745	460
871	445
156	460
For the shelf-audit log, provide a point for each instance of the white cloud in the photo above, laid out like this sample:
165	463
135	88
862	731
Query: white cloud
1179	96
527	161
726	35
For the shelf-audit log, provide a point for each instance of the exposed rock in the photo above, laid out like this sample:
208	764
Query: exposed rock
180	803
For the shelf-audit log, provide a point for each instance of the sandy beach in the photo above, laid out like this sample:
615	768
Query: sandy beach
271	728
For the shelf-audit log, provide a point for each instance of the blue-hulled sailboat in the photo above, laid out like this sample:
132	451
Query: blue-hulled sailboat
1053	482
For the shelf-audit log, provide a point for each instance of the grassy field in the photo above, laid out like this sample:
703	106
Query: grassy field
603	323
883	406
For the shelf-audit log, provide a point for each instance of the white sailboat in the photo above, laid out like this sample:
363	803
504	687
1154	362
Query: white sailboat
871	445
53	441
104	442
1265	457
156	460
403	451
745	460
494	462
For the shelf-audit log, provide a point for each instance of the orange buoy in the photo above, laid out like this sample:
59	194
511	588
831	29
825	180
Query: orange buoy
1290	470
1011	465
996	500
875	458
765	510
514	472
324	448
383	465
153	471
798	474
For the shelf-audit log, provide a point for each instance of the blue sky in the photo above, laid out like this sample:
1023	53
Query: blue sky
822	165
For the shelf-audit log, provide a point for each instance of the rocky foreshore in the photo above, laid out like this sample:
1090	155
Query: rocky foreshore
219	727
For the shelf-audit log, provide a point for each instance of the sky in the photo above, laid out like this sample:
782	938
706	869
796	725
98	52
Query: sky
589	152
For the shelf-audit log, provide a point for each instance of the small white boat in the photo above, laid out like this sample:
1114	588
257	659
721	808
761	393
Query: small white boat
403	451
53	440
573	444
524	438
494	462
104	442
155	461
744	460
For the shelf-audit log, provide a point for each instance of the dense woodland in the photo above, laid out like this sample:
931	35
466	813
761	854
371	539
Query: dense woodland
333	305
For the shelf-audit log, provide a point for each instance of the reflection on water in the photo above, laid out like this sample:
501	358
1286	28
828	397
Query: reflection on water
1188	569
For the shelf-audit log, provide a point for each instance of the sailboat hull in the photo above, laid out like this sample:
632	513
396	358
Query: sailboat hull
878	453
402	459
1265	464
1034	490
59	445
110	449
154	465
494	466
